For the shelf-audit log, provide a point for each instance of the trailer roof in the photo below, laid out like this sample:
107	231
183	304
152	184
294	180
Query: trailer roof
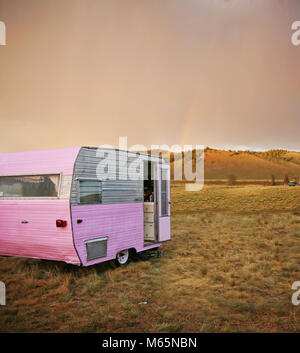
133	152
50	161
39	162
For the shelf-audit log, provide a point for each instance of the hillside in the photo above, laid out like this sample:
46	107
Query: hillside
245	165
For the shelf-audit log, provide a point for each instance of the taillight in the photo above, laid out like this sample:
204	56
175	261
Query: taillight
61	223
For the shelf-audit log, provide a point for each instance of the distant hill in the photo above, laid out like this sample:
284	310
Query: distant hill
246	165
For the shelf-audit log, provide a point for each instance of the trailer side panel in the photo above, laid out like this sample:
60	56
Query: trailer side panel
116	219
121	224
28	212
28	229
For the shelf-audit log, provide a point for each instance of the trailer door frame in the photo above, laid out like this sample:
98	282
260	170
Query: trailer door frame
164	203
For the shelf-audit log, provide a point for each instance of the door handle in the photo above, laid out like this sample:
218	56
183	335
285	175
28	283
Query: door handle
24	222
79	221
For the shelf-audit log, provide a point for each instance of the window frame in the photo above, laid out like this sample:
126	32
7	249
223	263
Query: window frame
92	241
59	174
78	180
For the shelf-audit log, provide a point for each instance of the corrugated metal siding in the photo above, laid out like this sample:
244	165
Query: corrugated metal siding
39	238
39	162
122	224
113	191
119	217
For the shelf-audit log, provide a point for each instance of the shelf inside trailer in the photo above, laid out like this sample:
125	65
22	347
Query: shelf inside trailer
149	221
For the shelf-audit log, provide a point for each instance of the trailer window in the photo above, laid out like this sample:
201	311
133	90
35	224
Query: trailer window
29	186
90	191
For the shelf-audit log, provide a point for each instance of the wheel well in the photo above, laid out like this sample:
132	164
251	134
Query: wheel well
132	251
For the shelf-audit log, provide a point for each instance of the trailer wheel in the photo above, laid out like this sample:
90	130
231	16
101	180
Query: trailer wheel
122	257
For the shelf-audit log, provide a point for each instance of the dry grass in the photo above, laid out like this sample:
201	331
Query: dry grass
234	255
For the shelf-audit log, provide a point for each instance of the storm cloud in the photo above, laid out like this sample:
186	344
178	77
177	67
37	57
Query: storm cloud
212	72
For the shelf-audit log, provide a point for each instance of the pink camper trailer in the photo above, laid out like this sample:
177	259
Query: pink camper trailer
64	205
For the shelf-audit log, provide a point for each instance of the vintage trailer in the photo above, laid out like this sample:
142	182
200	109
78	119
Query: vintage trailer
63	205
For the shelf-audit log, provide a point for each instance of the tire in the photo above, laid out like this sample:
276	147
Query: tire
123	258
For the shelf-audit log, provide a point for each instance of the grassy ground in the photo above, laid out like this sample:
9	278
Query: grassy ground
234	255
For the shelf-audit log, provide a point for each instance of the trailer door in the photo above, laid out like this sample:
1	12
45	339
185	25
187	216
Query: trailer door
164	203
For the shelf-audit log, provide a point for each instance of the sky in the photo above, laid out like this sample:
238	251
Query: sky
218	73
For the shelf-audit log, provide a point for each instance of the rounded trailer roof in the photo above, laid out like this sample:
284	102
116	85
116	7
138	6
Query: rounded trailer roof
39	162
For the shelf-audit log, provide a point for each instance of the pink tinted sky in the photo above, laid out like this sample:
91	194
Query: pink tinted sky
221	73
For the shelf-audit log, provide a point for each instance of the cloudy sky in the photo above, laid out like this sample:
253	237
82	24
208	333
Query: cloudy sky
219	73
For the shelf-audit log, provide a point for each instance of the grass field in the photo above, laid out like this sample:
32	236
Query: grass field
234	254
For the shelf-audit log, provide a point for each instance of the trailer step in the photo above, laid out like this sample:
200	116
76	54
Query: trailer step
150	254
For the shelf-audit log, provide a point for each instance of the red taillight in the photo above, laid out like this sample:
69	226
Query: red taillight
61	223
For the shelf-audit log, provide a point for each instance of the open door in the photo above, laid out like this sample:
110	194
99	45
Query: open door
164	203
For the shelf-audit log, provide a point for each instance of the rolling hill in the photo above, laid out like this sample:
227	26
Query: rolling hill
245	165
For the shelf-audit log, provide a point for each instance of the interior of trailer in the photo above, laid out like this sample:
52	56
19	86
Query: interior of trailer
150	224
